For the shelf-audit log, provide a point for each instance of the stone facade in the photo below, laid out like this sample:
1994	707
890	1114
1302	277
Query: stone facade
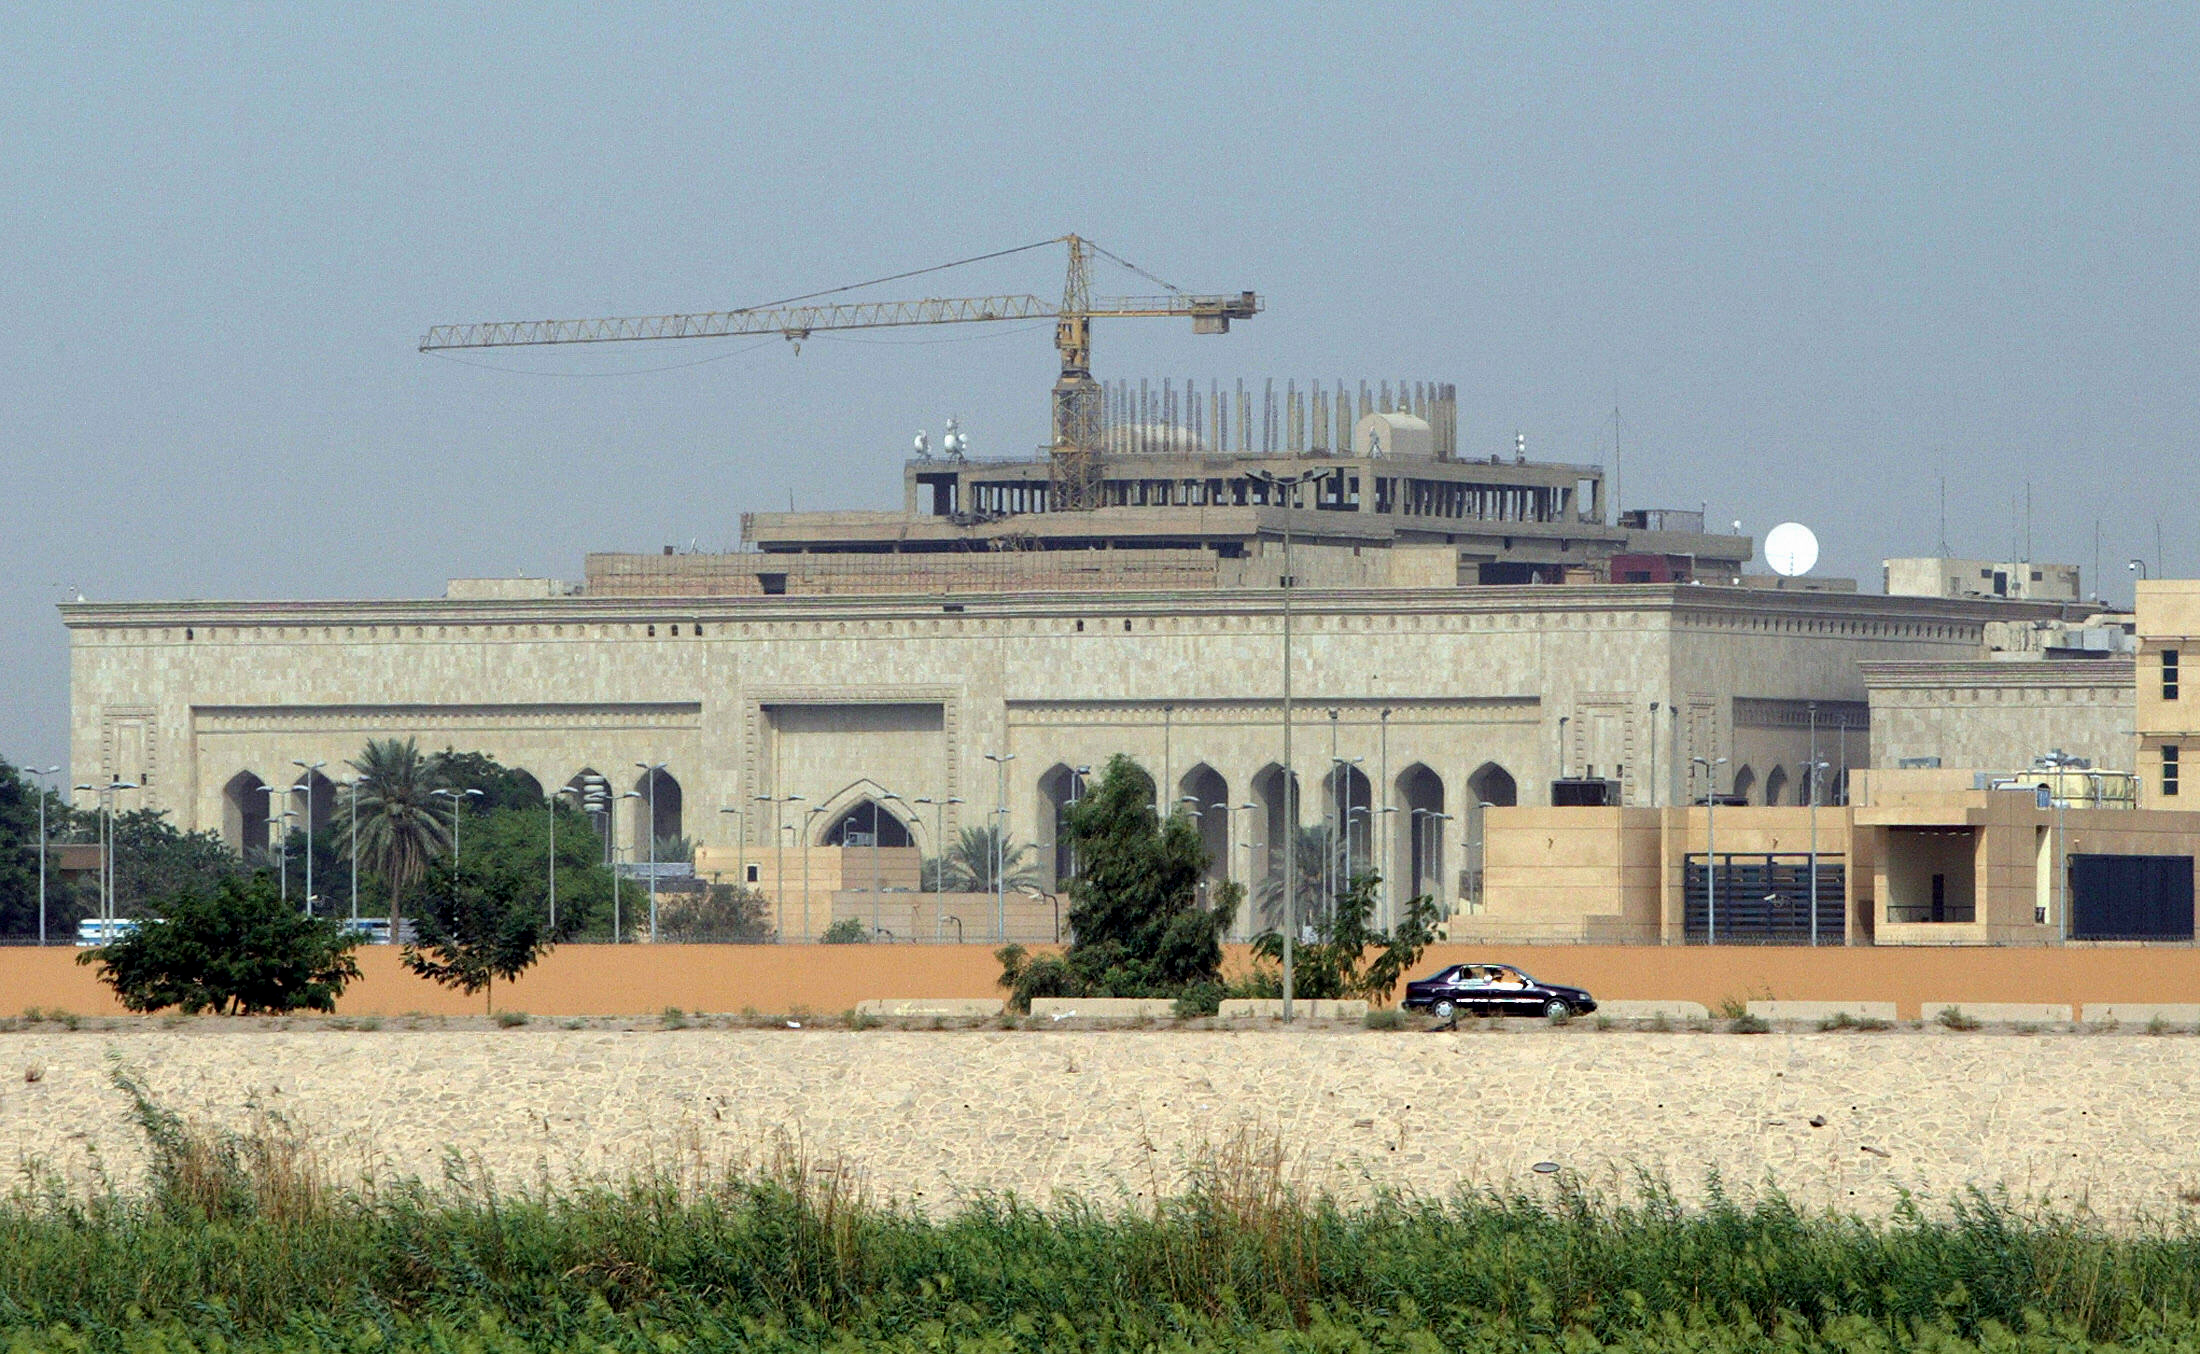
2001	716
1435	700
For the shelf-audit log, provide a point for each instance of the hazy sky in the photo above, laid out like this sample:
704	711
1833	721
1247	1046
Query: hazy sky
1820	256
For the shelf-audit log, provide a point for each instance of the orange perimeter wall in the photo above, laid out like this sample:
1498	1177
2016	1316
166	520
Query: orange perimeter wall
643	979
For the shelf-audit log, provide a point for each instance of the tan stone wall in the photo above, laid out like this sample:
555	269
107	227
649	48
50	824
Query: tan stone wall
2168	621
644	979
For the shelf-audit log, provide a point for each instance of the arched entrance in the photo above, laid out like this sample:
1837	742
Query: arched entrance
1422	821
244	813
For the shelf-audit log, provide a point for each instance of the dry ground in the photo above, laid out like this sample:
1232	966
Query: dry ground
2107	1121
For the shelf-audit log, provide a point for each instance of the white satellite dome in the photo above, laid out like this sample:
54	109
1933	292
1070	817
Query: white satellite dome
1791	549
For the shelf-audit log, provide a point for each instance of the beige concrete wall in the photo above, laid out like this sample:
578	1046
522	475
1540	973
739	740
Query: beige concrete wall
2168	622
642	979
2000	716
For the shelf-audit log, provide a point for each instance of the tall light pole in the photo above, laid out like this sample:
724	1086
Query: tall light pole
651	769
578	797
312	769
1290	484
809	816
39	775
277	842
1710	767
1000	762
1340	774
1482	808
457	798
939	859
740	847
351	797
779	866
1381	844
105	795
618	919
877	805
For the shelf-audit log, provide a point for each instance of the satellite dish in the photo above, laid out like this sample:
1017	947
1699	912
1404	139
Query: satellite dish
1791	549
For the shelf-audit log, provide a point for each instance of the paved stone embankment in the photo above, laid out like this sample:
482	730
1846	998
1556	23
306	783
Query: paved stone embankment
2106	1122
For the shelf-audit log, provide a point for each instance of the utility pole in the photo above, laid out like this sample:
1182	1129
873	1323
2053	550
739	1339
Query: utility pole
1000	762
1711	844
313	769
1289	483
41	776
651	770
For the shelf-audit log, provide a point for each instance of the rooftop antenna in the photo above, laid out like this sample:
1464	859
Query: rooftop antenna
1945	552
923	445
1615	453
2028	521
1520	448
952	441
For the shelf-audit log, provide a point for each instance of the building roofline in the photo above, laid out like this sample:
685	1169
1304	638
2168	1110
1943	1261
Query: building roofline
1678	599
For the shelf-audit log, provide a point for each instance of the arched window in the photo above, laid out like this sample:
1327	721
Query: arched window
866	823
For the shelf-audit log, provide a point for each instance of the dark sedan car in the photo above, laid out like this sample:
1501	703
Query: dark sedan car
1494	989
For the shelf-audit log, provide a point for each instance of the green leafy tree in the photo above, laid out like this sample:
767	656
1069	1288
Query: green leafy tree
399	828
236	948
846	931
723	914
501	787
1138	927
153	861
19	796
476	924
969	865
1338	961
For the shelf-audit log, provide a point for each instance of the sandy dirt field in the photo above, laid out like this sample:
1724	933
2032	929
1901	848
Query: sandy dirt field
2105	1122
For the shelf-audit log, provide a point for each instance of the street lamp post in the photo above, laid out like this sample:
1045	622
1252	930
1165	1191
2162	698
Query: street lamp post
939	863
39	775
312	769
1817	772
618	919
877	806
277	843
1000	762
1340	779
1482	808
1381	845
457	798
651	769
1711	845
740	847
1290	484
809	816
351	797
779	864
578	797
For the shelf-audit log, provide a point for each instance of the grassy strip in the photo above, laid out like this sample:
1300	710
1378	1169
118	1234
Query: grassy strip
238	1244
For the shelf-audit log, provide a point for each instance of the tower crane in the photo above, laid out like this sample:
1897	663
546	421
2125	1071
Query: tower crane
1077	403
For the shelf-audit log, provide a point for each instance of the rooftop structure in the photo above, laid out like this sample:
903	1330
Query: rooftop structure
2024	580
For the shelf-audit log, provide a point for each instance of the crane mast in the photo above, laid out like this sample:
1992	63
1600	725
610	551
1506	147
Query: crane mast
1076	425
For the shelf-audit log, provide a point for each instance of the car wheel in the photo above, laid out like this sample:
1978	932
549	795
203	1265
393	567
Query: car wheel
1555	1009
1444	1008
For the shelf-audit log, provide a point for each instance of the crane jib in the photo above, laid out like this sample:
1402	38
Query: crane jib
799	320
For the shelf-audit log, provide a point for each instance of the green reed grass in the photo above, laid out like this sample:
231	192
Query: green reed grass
238	1242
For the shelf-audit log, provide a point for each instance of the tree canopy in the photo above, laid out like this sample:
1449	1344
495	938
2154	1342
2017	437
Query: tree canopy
478	923
236	948
1138	927
19	796
399	828
1336	963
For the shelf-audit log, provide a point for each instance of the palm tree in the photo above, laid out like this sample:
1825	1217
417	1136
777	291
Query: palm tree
399	828
1314	857
968	867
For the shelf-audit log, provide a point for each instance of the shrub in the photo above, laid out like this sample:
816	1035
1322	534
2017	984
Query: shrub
846	931
673	1018
1952	1017
1200	999
511	1020
1385	1018
1745	1023
236	949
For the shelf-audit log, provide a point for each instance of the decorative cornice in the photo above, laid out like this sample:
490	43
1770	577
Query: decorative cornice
1917	675
1685	603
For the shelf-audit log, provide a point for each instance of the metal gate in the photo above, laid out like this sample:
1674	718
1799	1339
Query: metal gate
1764	898
2131	897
